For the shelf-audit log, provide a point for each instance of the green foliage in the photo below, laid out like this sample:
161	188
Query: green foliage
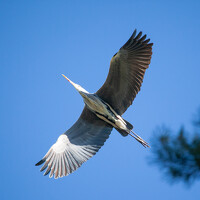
178	155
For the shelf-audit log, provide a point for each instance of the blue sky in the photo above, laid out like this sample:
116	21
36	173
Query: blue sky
40	40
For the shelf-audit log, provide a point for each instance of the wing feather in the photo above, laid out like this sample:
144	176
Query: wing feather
126	73
75	146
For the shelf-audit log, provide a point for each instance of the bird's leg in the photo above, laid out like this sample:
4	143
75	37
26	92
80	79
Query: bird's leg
139	139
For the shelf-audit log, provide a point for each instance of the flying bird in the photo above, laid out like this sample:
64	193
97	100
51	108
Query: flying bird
102	111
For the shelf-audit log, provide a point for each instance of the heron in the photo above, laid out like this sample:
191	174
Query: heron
102	111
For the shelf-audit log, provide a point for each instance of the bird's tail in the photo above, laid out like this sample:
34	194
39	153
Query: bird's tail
122	132
134	135
129	126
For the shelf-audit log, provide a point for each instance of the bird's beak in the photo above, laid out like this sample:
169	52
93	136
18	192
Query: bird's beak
69	80
77	87
66	78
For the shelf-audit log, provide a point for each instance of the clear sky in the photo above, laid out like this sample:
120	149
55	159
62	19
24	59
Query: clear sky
40	40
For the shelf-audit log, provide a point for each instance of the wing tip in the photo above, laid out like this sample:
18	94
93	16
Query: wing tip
134	32
135	38
40	162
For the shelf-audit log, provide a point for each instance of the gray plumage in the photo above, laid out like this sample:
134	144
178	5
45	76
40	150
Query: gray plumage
102	110
77	145
126	73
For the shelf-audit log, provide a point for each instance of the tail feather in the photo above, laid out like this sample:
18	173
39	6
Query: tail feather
128	125
122	132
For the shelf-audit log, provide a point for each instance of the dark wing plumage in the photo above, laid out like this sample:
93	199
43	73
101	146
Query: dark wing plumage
76	145
126	73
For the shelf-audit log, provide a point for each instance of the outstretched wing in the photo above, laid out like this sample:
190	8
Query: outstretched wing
126	73
76	145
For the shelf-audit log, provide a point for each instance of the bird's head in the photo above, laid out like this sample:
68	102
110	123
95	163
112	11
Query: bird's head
81	90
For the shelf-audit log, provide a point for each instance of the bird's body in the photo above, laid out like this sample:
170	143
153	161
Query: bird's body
102	111
105	112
